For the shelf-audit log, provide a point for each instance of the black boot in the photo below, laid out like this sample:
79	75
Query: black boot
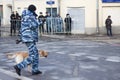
18	71
35	73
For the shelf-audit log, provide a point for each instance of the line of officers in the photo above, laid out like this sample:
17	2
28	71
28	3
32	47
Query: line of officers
48	24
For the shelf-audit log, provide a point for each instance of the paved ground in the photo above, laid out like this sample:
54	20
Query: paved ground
69	59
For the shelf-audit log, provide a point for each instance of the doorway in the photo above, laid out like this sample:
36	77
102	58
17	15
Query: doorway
78	20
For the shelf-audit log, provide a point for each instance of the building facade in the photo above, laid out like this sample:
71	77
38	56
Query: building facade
5	11
87	17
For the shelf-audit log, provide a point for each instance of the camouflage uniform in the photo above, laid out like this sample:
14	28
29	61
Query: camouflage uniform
29	36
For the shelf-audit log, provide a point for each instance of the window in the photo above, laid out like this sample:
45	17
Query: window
54	11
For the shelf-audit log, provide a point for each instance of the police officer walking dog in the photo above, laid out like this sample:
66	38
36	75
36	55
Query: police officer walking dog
29	36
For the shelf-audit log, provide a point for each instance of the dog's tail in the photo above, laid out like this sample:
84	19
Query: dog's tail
11	56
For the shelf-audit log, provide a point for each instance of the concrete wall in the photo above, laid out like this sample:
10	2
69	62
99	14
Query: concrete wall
40	4
112	9
6	11
90	11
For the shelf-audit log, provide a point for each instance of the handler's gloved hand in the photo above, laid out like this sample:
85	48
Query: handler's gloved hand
18	41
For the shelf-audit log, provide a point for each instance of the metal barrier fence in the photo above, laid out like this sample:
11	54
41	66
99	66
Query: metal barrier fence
4	30
11	29
55	25
15	26
50	25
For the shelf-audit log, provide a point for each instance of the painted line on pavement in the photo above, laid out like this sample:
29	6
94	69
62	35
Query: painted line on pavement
14	75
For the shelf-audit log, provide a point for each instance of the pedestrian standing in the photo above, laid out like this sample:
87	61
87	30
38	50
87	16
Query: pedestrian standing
108	23
59	23
47	15
68	22
0	20
48	23
17	20
29	36
13	22
41	20
0	25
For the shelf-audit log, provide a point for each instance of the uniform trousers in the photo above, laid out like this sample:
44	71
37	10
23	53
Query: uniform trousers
33	58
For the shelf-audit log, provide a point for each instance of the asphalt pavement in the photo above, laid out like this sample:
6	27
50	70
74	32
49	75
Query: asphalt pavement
71	57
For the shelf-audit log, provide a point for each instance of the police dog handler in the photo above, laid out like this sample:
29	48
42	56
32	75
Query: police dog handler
29	36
